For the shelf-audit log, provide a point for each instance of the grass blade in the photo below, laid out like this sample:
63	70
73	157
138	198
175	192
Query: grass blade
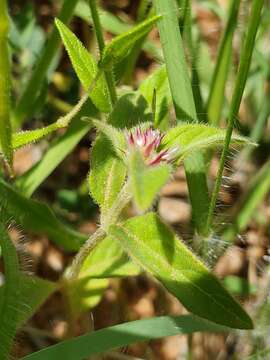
184	105
122	335
5	85
33	88
239	87
221	72
9	303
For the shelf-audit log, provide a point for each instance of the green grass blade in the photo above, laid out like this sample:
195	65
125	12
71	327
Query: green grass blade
38	217
184	105
124	334
33	87
255	194
5	87
245	60
9	302
221	72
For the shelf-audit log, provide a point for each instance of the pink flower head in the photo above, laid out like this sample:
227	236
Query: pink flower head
148	142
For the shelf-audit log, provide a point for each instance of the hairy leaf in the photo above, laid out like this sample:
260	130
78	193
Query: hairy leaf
10	300
146	181
121	45
38	217
85	67
107	174
192	137
34	291
156	248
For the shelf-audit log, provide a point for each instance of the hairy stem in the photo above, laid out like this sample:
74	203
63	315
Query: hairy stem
110	218
85	250
101	44
245	60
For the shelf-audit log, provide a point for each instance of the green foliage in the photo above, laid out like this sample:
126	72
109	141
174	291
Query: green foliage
146	182
130	110
42	69
30	181
10	299
121	45
221	73
157	249
184	105
105	261
123	335
38	217
195	137
33	293
158	83
5	86
85	67
107	173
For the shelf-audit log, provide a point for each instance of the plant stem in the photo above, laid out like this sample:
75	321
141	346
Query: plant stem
120	203
27	101
5	85
245	60
110	218
90	244
64	121
101	44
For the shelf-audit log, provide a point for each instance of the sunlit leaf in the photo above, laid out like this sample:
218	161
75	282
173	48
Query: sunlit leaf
85	67
157	249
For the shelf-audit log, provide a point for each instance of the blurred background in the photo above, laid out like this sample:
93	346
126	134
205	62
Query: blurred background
242	214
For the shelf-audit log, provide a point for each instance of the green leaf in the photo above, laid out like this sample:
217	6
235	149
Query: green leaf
158	83
157	249
115	136
115	26
30	181
130	110
107	174
34	291
121	45
108	260
146	181
85	67
195	137
10	301
239	286
39	218
84	294
105	261
122	335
